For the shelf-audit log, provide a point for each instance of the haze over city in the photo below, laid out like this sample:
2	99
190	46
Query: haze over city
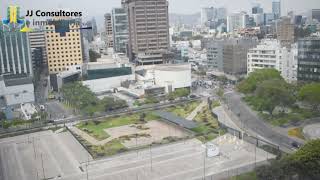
99	7
159	89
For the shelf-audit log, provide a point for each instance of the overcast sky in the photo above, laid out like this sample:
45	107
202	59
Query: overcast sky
99	7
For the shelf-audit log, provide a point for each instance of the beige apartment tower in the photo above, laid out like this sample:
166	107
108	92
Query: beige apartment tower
285	32
63	45
148	29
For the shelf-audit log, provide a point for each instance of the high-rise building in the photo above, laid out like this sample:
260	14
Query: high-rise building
237	21
63	45
309	59
257	9
215	54
88	33
94	26
120	29
108	29
221	13
38	46
208	15
315	14
276	8
15	52
235	55
285	31
268	18
148	30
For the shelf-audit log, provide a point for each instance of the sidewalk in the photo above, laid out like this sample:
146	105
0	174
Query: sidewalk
224	118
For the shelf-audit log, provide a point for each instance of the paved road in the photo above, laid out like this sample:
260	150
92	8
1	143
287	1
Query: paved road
56	110
250	121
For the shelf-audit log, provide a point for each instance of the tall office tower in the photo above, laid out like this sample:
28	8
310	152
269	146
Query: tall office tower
235	55
315	14
108	29
88	33
285	31
148	30
309	59
257	9
38	46
64	45
208	15
94	26
276	8
120	29
15	52
221	13
215	54
237	21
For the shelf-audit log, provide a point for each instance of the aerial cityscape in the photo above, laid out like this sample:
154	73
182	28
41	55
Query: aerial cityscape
160	90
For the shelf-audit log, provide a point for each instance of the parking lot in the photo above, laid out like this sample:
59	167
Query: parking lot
183	160
40	155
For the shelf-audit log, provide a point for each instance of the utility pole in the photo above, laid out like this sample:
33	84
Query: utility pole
44	176
87	168
151	157
204	164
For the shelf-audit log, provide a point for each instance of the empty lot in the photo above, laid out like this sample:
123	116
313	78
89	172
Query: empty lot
40	155
179	161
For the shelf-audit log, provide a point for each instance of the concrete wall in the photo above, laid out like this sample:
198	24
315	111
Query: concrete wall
178	79
106	84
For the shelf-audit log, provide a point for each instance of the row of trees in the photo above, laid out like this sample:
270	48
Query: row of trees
269	90
301	165
83	99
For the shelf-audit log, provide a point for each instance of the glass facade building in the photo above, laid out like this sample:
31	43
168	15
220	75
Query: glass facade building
276	8
120	29
15	55
309	59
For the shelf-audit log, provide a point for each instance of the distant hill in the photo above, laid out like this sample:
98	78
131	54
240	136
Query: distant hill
190	19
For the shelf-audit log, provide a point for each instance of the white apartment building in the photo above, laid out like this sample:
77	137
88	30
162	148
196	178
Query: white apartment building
270	54
237	21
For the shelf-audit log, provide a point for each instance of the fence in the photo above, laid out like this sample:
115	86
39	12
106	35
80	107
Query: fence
267	146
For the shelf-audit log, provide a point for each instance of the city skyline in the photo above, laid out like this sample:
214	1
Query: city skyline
97	8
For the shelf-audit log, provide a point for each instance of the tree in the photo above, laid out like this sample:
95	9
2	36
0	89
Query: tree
303	164
306	161
2	116
274	93
93	56
310	93
249	85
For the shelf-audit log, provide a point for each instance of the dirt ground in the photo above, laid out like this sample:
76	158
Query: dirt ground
153	131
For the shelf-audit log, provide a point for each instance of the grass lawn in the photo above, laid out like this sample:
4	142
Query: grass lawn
215	104
111	148
185	109
208	127
296	132
96	128
245	176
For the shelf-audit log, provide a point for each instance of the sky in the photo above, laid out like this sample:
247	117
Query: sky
96	8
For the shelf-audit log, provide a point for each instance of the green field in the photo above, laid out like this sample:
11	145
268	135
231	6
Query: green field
183	110
96	128
208	126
